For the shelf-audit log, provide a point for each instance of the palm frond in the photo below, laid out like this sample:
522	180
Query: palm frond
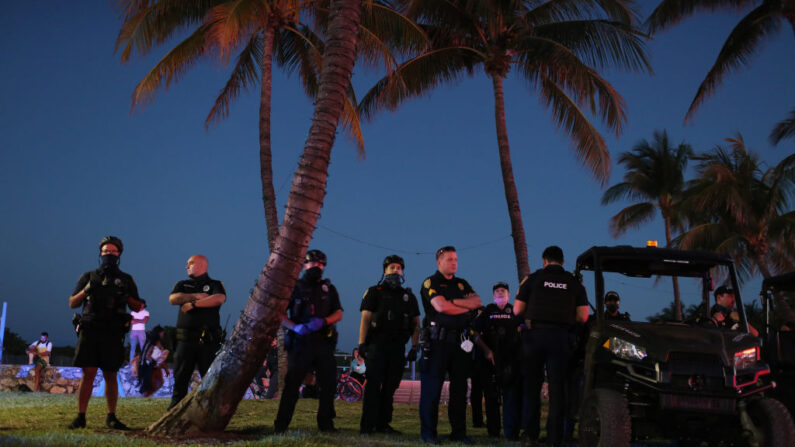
243	76
392	29
622	191
742	42
562	10
600	43
589	145
350	122
146	24
234	22
299	49
630	217
418	76
670	12
172	66
784	129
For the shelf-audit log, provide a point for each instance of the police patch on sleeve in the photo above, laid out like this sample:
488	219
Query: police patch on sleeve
427	283
206	288
460	287
365	294
324	287
406	297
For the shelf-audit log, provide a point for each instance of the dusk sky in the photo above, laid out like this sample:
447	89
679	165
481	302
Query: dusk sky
77	166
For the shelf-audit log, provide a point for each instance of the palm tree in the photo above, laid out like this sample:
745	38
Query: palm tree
211	405
743	210
744	40
654	178
557	46
260	31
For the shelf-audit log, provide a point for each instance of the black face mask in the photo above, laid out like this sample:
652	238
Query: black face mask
393	280
313	274
612	308
109	261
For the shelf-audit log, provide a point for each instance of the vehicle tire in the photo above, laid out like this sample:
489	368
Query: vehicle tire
774	421
604	420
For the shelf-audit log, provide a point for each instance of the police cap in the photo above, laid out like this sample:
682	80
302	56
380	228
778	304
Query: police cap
315	256
723	289
394	259
612	296
500	285
111	240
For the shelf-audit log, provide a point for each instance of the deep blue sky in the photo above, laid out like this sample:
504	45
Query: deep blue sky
77	166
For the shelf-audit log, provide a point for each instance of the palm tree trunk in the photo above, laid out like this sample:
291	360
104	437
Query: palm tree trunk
677	296
265	158
210	406
782	307
511	195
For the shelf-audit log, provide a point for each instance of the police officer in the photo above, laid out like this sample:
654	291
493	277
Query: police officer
199	334
105	294
449	303
612	304
499	372
723	312
313	311
390	317
551	301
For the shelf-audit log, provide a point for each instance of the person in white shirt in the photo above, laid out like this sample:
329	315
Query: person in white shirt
138	331
40	350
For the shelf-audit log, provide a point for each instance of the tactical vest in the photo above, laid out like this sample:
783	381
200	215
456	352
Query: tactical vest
552	297
311	300
500	332
106	305
393	320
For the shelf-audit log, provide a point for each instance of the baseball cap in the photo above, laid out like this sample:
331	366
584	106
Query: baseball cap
723	289
500	285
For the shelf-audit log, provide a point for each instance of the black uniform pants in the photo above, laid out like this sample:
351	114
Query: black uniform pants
188	356
446	358
476	394
306	356
385	363
496	395
546	347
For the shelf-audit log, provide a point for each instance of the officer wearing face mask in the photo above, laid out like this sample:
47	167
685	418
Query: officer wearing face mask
104	294
199	334
390	317
499	373
612	304
311	336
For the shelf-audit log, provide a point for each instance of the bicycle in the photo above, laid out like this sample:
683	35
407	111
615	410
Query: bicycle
348	388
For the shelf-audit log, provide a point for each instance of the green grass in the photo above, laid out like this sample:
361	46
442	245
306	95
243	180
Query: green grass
34	419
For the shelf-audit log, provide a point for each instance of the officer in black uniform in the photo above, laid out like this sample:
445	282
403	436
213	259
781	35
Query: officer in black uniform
612	304
390	317
723	313
449	303
105	294
499	372
313	311
551	301
199	334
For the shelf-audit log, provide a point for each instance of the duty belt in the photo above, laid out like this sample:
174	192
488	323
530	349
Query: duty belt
446	334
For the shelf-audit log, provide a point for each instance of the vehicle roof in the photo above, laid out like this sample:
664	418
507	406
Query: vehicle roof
780	282
648	261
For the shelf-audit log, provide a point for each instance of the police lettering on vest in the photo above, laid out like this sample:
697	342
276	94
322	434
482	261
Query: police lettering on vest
552	295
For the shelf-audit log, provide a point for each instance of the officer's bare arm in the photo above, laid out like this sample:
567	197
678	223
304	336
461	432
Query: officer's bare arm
415	336
77	299
335	317
211	301
582	313
179	298
471	301
287	323
441	305
367	316
518	307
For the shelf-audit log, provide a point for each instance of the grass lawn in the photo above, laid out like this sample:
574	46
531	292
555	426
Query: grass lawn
34	419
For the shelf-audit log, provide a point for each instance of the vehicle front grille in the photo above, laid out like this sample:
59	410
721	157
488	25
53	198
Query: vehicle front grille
692	363
683	402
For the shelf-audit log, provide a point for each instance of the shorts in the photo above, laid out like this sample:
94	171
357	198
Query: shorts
100	349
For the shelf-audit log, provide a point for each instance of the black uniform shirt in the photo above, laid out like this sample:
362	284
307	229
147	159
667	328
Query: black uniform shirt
313	299
200	317
498	326
552	295
108	296
393	311
450	289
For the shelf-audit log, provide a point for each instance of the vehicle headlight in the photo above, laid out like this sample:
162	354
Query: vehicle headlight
746	358
624	349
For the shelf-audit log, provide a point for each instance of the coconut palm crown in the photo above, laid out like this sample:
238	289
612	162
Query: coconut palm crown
557	46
